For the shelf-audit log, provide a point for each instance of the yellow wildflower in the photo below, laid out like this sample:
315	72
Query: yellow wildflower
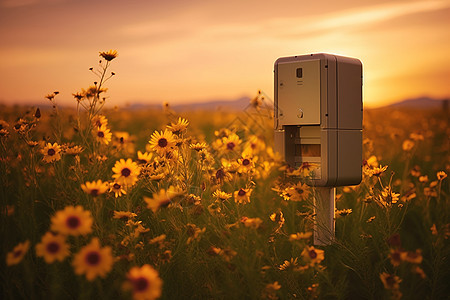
53	247
126	172
124	215
220	195
144	158
103	134
312	256
300	235
253	223
95	188
51	152
72	220
441	175
162	142
161	199
390	282
93	260
109	55
16	255
242	196
144	282
407	145
179	126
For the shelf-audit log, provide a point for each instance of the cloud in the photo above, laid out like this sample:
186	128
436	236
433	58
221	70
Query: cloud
16	3
351	18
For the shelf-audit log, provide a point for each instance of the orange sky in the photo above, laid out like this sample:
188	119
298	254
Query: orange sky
183	51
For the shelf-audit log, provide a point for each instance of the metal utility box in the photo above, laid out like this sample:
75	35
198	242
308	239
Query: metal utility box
318	116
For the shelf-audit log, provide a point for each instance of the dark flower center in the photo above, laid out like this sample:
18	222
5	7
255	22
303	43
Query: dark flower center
73	222
246	162
17	253
53	247
93	258
126	172
312	254
51	152
396	256
140	284
241	192
162	142
116	186
220	174
299	191
101	134
231	145
390	280
94	192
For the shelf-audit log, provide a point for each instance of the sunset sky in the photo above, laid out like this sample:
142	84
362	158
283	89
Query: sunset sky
193	51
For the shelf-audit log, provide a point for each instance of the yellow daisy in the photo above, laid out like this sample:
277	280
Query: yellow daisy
103	134
109	55
179	126
144	283
312	255
124	215
288	264
377	171
222	175
298	192
75	150
342	212
242	196
390	282
99	120
144	158
161	199
93	261
126	172
194	232
231	142
246	164
16	255
95	188
93	91
407	145
300	235
412	257
441	175
72	221
52	247
220	195
254	145
162	142
198	146
253	223
117	189
51	152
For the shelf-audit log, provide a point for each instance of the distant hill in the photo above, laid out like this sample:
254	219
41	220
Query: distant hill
238	104
242	103
233	105
421	102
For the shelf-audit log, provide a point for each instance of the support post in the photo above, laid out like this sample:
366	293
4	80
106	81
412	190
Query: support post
324	206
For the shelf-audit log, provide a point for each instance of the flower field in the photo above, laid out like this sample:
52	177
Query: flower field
111	203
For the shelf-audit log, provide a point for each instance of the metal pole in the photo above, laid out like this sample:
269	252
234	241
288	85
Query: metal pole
324	206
